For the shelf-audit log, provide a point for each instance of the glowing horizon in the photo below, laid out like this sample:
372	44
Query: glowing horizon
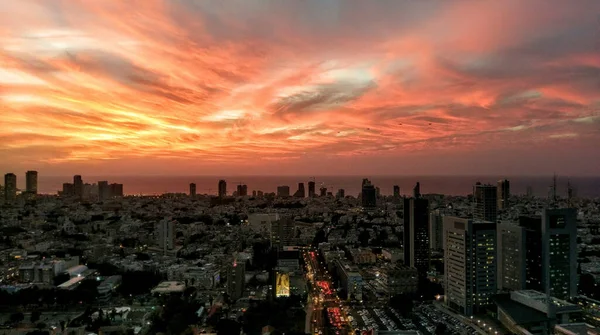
300	87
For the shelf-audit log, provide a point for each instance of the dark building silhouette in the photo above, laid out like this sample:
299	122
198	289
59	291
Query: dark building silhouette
68	190
369	194
103	190
283	191
396	191
222	188
503	194
323	191
341	193
78	186
242	190
416	231
485	202
116	190
10	187
311	189
31	182
300	193
192	190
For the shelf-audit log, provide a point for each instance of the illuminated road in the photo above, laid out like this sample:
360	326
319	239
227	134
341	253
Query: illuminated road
323	296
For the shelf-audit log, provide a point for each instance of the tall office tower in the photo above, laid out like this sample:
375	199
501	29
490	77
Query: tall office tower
192	190
301	192
417	190
503	194
242	190
341	193
396	191
68	190
116	190
484	202
236	279
436	229
283	191
103	190
369	194
10	187
416	233
31	182
512	265
282	232
165	234
311	189
323	191
222	188
78	186
551	252
470	264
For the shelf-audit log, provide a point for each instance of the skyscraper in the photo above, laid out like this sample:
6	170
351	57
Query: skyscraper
165	234
416	232
538	248
503	194
323	191
10	187
103	190
341	193
116	190
484	202
222	188
242	190
283	191
512	266
396	191
436	229
282	232
300	193
68	190
236	279
369	194
78	186
470	264
192	190
311	189
31	182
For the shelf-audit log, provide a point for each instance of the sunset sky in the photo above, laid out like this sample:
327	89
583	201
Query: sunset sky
300	87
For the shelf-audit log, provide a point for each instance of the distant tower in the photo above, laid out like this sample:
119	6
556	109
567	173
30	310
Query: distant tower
31	181
192	190
166	234
283	191
323	191
10	187
222	188
369	194
485	202
311	189
416	232
396	191
503	193
103	190
529	191
301	193
78	186
417	191
341	193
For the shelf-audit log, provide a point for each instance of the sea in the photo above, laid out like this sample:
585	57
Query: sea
448	185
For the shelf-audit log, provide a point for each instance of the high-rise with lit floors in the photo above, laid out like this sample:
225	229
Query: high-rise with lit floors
485	202
503	194
416	232
236	279
10	187
222	188
192	190
165	234
368	194
470	264
78	186
512	249
31	182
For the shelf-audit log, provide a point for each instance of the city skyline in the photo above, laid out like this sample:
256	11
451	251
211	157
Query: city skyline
303	87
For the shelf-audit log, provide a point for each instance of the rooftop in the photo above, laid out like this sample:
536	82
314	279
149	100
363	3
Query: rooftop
169	287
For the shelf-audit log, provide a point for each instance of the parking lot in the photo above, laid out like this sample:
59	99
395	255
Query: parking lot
425	320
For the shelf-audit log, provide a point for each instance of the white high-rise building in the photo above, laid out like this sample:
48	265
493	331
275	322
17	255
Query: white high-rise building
470	266
165	234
